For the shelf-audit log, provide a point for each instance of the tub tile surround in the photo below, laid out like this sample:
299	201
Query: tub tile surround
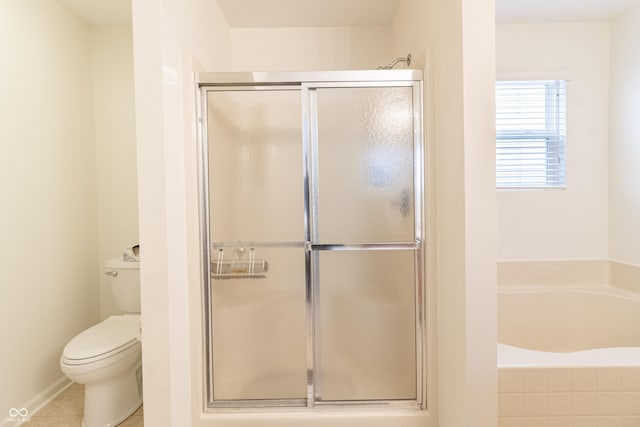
580	272
569	397
553	273
625	276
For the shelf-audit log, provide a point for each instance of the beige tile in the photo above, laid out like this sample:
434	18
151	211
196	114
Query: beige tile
558	380
630	379
559	421
608	379
510	380
535	422
66	410
511	405
583	403
534	381
583	379
630	403
559	404
608	403
55	422
510	422
133	421
69	403
583	422
630	422
608	421
535	405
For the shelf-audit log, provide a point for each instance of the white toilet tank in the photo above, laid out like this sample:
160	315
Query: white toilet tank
125	284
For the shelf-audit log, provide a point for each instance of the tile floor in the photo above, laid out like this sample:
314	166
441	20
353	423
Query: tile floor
66	411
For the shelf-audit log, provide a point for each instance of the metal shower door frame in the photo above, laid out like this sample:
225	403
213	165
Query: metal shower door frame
308	83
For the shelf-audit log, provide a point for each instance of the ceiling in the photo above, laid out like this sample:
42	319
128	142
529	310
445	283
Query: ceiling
515	11
101	12
299	13
308	13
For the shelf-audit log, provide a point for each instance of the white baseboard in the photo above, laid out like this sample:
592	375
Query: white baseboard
33	405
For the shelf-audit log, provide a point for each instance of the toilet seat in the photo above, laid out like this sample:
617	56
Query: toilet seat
103	341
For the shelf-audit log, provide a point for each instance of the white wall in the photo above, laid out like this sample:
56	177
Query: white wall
454	41
114	118
177	37
171	40
570	224
310	48
479	74
49	285
624	149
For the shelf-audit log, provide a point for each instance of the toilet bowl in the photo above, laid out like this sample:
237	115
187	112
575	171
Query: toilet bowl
107	359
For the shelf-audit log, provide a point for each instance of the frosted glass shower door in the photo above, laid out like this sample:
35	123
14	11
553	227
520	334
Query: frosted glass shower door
366	249
311	232
258	314
365	159
255	166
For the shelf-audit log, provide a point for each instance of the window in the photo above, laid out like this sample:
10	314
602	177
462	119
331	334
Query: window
530	134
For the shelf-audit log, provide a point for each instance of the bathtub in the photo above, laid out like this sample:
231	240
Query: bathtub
568	319
568	356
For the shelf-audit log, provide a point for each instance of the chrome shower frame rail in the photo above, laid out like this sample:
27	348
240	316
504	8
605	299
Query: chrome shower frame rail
307	83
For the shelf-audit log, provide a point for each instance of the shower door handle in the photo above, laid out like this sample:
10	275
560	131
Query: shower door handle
361	246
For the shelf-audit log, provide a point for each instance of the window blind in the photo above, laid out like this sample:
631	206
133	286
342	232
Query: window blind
530	134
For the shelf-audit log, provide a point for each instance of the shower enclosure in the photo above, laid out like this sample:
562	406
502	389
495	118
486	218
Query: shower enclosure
312	239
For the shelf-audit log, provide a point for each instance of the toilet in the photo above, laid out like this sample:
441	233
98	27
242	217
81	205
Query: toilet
107	357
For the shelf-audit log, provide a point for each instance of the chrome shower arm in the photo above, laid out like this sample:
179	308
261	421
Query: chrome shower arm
406	60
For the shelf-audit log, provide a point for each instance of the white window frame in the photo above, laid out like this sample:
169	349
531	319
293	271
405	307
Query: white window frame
528	157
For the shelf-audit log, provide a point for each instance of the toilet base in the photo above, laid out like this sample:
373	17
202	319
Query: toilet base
109	403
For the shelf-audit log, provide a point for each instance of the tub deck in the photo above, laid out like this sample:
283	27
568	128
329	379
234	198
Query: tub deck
516	357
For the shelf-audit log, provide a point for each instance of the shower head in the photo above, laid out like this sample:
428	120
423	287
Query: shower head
406	60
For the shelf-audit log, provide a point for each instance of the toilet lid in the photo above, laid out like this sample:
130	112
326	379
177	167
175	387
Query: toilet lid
110	335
